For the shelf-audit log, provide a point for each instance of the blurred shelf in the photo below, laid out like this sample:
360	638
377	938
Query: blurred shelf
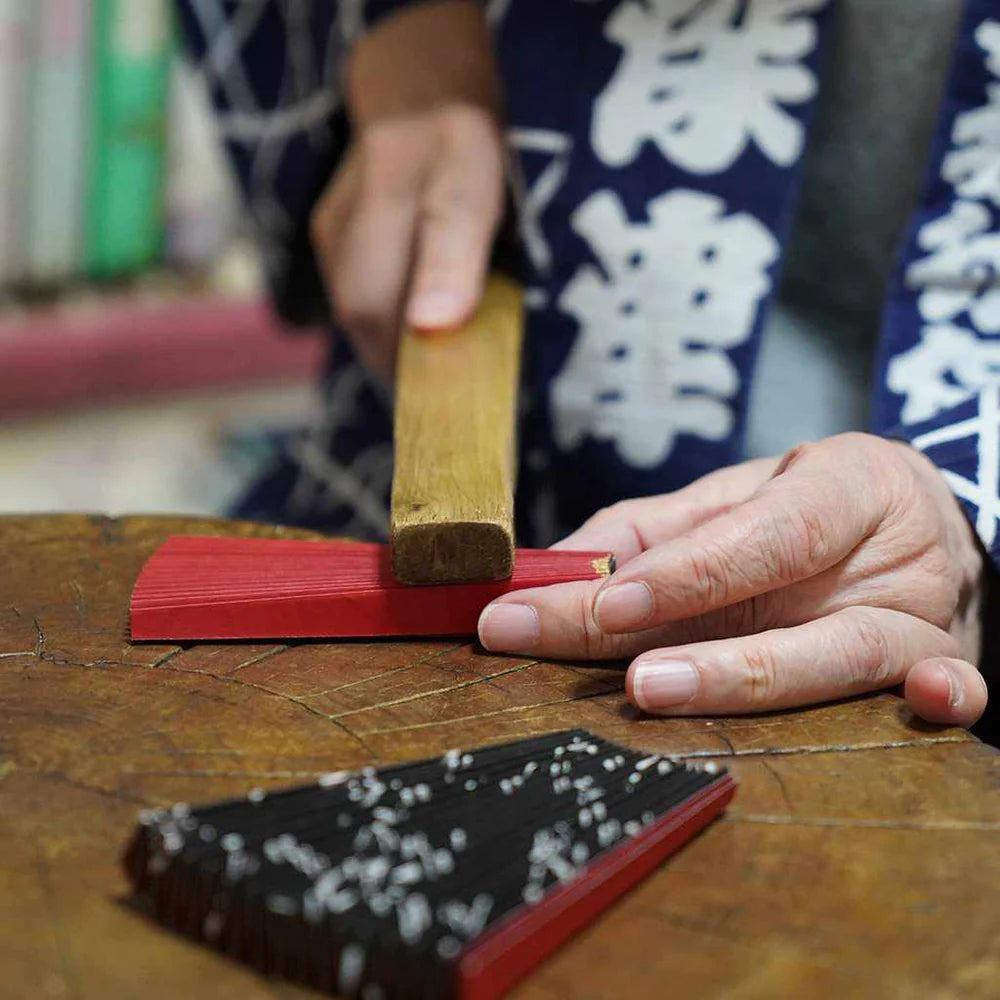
91	352
194	453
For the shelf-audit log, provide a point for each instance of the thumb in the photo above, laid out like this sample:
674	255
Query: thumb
947	691
461	209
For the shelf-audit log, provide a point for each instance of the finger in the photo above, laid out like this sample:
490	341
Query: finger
632	526
329	219
557	624
807	518
847	653
951	692
369	270
368	281
461	210
555	621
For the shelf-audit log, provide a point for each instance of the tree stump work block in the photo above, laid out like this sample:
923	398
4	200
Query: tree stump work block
860	857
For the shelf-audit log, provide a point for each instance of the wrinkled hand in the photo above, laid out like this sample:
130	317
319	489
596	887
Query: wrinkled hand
845	567
404	230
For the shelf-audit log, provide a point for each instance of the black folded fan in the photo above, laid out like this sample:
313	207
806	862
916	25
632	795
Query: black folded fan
451	877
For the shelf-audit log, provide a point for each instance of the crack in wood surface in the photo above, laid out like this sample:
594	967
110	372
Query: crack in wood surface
291	699
167	656
39	640
65	661
436	691
489	715
823	748
736	816
419	662
277	650
780	781
725	739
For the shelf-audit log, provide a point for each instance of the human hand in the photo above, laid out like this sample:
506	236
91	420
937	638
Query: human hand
846	567
404	230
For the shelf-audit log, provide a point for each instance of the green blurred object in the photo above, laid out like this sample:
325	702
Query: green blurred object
133	46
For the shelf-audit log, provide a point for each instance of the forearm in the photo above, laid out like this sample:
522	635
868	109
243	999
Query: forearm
424	55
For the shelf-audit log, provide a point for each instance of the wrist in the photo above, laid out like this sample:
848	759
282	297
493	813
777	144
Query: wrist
421	57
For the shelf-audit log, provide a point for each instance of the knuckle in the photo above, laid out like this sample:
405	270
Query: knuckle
846	445
934	591
382	139
760	676
889	478
862	443
621	512
389	163
802	452
605	514
859	447
865	649
708	578
807	539
903	517
464	121
620	517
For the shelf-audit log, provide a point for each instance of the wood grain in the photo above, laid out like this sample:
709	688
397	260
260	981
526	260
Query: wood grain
859	858
453	481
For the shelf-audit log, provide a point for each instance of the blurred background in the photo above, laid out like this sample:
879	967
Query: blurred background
140	367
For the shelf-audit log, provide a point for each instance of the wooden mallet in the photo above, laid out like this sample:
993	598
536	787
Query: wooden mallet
455	427
452	519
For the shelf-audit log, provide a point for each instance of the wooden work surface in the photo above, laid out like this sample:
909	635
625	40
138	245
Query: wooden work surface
861	857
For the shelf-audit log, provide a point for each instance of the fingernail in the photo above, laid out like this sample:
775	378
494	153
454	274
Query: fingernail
955	692
623	607
663	684
434	309
509	628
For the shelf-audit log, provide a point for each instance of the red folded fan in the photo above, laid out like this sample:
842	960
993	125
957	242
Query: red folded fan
200	587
